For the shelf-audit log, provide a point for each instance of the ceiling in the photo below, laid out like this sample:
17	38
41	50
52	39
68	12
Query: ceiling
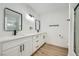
42	8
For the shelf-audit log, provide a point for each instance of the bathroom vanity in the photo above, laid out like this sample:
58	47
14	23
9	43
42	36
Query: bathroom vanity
23	45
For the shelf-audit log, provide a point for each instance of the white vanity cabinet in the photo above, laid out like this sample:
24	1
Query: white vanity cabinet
38	41
21	46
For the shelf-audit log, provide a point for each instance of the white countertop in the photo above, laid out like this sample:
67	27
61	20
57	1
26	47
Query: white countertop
3	39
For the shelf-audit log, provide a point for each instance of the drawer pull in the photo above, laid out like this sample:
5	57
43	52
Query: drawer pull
37	41
23	47
20	48
43	37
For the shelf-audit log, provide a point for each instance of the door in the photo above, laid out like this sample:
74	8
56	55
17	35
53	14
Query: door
15	51
76	31
27	47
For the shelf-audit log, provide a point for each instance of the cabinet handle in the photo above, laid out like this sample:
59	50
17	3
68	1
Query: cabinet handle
20	48
23	47
37	41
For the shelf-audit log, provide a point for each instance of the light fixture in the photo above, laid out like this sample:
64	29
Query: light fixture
29	17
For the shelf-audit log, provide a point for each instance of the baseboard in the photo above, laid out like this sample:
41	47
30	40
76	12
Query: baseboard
57	46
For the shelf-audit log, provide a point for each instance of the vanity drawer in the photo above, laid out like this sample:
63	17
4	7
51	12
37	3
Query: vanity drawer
35	47
36	37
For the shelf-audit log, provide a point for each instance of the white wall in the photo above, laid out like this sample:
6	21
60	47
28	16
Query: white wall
21	8
58	16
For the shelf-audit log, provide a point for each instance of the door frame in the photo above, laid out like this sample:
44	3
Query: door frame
75	28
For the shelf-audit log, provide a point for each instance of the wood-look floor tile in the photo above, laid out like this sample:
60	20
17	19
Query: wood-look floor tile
51	50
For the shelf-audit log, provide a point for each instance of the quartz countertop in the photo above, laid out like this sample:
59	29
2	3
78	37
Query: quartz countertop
3	39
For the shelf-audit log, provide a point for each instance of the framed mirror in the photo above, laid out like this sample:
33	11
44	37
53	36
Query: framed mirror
12	20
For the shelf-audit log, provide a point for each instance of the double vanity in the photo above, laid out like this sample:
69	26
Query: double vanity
23	45
20	45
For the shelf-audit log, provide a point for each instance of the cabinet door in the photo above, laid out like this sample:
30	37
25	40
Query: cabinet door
42	39
27	47
15	51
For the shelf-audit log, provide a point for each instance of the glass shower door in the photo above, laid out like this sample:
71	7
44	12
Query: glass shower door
76	29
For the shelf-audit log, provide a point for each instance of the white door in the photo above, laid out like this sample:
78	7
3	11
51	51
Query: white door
27	47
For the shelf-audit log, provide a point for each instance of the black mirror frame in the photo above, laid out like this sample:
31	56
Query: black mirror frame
14	12
36	25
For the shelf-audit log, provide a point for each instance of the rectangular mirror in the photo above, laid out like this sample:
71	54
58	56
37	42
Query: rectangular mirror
37	25
12	20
